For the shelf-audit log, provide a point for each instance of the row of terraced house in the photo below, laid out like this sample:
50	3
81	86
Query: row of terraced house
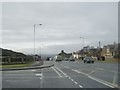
107	51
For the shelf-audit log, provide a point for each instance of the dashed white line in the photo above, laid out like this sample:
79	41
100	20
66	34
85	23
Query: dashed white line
80	86
56	72
96	79
75	82
69	77
72	69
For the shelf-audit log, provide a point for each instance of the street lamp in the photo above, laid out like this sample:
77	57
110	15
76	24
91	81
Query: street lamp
34	38
83	46
83	41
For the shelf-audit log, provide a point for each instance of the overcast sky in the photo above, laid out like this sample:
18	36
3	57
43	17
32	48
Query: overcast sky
63	23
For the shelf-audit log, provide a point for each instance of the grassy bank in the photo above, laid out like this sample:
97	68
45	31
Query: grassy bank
16	65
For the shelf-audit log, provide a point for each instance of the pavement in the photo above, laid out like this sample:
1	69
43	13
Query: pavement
65	74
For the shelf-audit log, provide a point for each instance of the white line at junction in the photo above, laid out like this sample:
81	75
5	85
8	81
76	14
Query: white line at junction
96	79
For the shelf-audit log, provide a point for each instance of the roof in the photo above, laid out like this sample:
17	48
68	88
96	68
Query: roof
63	54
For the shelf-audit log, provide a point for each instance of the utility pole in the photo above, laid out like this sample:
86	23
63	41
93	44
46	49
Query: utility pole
34	38
99	50
83	47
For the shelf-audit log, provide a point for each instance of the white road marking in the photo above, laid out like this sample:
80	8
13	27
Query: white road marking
80	86
98	80
76	71
73	69
101	81
61	71
75	82
69	77
56	72
39	74
95	70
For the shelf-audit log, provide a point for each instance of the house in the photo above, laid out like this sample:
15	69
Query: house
93	52
110	51
86	49
76	55
37	58
62	55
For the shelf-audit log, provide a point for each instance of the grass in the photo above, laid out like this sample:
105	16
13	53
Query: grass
112	60
16	65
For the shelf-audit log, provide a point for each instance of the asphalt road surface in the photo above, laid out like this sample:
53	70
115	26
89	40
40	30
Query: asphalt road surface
65	74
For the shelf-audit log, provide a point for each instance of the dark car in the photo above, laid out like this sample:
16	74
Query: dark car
88	60
72	59
58	60
48	59
66	59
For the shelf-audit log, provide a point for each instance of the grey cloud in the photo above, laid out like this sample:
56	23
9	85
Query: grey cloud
61	22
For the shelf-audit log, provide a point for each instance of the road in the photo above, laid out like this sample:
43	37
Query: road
65	74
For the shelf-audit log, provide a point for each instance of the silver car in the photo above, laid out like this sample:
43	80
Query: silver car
88	60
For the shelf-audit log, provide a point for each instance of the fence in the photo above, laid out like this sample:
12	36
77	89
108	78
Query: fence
15	60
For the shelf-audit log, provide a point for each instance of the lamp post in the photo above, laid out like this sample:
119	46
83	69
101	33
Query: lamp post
83	41
83	45
34	38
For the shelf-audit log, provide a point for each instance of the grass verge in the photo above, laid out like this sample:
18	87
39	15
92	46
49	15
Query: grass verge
16	65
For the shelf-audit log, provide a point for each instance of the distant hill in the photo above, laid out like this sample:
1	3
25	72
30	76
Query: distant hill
6	52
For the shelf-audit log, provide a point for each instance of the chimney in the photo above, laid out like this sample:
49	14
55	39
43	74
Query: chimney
99	45
62	51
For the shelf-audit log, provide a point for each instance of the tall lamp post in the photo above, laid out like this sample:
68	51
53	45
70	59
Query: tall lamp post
83	41
34	38
83	45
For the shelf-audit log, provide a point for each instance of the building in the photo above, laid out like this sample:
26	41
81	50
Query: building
76	55
109	51
93	52
62	55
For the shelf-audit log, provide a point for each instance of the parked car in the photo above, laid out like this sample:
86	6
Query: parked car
48	59
58	60
66	59
88	60
72	59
